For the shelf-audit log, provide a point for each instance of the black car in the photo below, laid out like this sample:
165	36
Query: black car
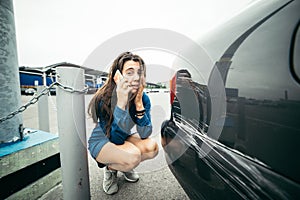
242	141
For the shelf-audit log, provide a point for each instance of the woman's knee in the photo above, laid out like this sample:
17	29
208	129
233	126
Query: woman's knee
151	146
150	149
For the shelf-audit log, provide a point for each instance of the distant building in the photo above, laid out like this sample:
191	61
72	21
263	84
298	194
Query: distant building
232	92
31	77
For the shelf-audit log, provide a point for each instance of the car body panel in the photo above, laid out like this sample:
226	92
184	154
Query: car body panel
255	156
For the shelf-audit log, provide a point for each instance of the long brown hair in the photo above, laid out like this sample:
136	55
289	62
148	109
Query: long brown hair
106	93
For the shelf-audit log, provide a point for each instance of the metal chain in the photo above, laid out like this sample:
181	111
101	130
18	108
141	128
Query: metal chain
35	99
70	89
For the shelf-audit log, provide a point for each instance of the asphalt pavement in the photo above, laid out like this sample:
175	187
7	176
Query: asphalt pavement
156	180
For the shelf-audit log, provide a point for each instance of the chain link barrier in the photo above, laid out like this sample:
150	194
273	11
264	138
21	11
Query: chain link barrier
45	91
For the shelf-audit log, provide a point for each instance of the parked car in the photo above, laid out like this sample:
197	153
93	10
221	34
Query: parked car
30	91
241	142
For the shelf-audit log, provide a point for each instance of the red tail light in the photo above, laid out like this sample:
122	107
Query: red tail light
172	89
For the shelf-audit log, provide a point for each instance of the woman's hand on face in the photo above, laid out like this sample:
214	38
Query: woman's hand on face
139	96
123	89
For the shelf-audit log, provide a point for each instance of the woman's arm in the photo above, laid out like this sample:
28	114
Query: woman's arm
121	125
144	124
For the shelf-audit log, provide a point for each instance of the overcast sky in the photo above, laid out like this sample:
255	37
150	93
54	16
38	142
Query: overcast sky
50	32
68	30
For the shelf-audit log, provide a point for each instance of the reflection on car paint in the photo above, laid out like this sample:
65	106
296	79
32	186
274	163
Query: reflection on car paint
255	156
230	165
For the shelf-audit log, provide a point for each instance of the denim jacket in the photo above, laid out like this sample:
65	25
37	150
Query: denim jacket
123	122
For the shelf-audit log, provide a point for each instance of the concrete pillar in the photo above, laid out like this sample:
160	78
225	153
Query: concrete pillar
10	95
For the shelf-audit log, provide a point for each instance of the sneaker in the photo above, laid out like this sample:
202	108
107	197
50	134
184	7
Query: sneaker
110	182
131	176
